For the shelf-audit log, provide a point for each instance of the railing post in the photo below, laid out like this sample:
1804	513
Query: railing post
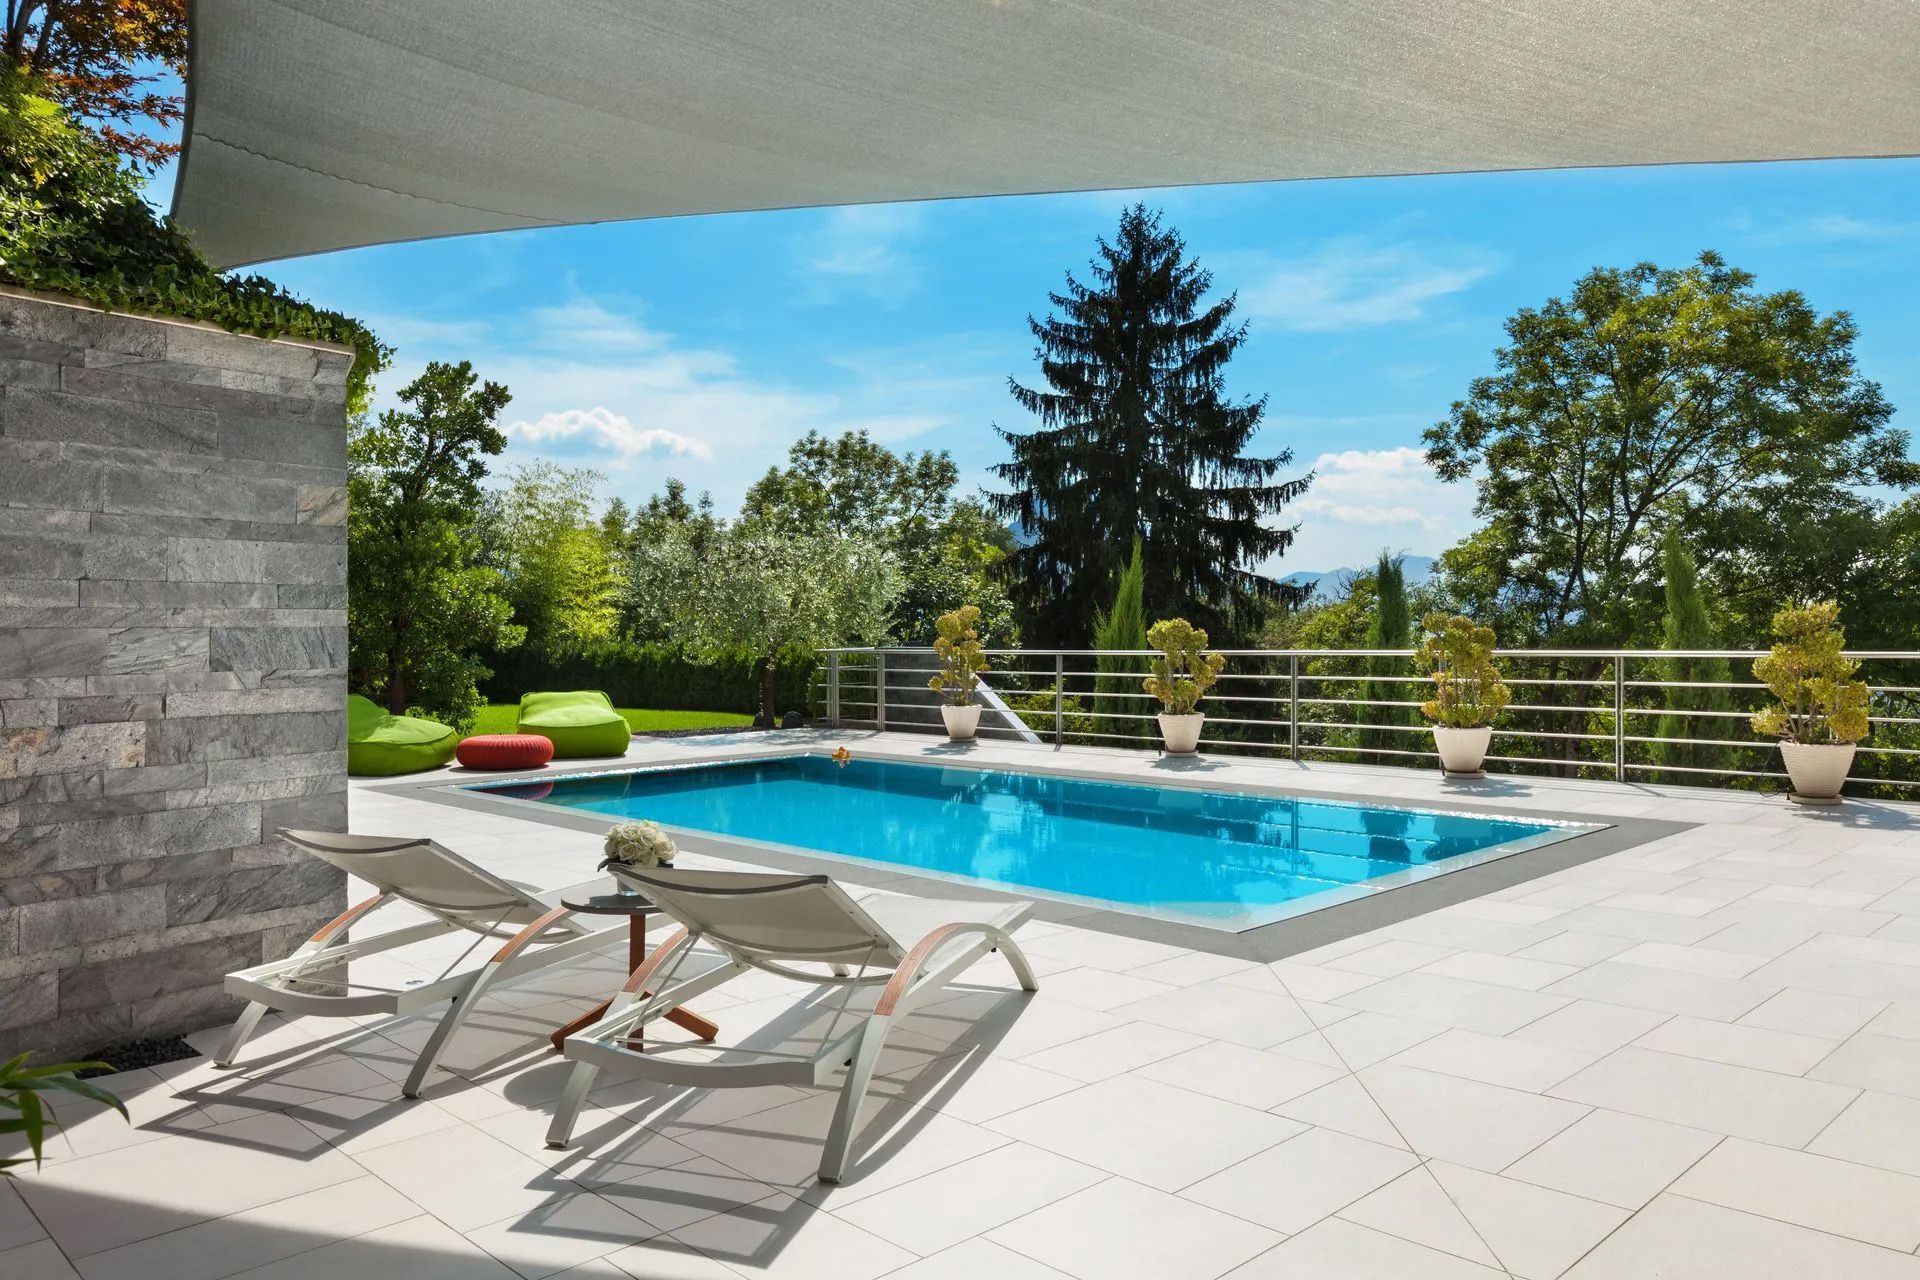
833	689
1293	705
1059	700
880	690
1619	717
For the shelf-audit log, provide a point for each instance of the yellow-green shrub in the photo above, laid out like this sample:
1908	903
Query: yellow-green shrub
1820	701
1184	671
1457	652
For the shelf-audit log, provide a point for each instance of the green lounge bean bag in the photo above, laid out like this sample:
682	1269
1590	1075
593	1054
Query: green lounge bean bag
582	723
380	744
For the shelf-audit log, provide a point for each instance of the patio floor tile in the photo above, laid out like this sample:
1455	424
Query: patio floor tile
422	1248
1739	1101
1534	1232
1291	1186
1513	1064
790	1239
1675	1238
1341	1250
1153	1133
1120	1230
255	1237
977	1260
1479	1125
942	1209
1879	1129
1235	1073
1415	1207
100	1202
1810	1190
1741	1046
1615	1158
1874	1062
1222	1011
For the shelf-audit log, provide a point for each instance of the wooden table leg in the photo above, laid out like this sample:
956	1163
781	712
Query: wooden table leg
636	955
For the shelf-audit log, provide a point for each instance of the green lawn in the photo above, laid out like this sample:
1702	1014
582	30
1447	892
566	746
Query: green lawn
498	718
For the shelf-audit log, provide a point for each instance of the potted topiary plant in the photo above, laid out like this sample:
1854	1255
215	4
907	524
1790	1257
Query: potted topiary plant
1182	674
961	662
1822	711
1468	692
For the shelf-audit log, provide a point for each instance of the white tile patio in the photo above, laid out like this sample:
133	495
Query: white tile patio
1695	1058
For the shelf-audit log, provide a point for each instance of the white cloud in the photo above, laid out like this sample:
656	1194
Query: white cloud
1363	500
608	432
1354	282
1826	229
862	250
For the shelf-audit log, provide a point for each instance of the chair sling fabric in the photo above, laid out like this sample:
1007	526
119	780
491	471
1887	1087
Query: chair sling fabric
456	895
776	923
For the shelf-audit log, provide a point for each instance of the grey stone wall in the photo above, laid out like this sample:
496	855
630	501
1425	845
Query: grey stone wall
172	664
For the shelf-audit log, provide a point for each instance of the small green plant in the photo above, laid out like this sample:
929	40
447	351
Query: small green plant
1457	653
22	1109
961	657
1184	671
1820	701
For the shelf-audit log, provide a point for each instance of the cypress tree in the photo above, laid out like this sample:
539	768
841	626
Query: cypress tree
1124	626
1391	627
1137	437
1687	626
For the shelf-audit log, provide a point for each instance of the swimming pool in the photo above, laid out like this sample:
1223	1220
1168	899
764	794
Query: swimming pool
1225	860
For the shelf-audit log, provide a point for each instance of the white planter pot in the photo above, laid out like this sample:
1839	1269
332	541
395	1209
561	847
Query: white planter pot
1462	751
1182	733
1818	769
962	722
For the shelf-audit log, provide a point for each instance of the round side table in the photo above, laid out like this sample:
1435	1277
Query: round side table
636	908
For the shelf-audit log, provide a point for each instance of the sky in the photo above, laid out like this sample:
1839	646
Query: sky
702	347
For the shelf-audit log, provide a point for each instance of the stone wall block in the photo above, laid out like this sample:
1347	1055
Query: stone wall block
32	413
74	749
171	502
272	648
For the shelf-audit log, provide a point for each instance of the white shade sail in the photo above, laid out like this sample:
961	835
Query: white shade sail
323	124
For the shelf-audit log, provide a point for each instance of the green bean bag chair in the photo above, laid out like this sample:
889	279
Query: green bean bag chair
583	723
380	744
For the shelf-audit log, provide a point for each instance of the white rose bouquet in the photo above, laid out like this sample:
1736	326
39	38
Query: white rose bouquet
639	844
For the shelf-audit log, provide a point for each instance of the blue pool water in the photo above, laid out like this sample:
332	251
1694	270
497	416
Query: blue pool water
1222	859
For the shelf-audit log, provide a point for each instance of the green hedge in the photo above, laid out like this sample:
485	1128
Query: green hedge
655	676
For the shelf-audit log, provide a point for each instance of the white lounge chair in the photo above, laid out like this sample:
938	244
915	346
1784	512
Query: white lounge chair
458	896
772	923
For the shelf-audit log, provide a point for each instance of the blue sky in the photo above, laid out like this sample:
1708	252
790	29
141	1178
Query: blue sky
701	347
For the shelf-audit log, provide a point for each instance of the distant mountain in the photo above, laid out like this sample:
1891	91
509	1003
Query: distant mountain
1331	584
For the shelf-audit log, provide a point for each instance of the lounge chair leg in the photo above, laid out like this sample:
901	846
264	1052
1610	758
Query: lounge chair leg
449	1023
243	1029
560	1132
1017	961
846	1115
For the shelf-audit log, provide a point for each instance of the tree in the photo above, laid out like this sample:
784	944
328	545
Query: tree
103	60
749	585
1124	626
1652	399
1138	438
553	557
1687	626
947	549
419	605
1390	627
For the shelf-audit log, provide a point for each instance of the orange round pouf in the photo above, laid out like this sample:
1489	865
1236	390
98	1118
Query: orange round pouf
504	751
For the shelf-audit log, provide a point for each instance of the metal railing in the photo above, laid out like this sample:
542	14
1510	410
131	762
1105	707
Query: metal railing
1626	714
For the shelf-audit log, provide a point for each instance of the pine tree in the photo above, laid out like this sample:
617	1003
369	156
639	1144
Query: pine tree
1687	626
1138	438
1124	626
1391	627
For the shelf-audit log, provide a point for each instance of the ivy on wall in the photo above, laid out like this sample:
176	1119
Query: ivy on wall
73	221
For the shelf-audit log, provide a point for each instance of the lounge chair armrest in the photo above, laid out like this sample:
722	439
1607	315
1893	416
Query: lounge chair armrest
521	940
923	951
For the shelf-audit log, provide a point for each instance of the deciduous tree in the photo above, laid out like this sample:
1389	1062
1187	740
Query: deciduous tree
112	63
420	606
